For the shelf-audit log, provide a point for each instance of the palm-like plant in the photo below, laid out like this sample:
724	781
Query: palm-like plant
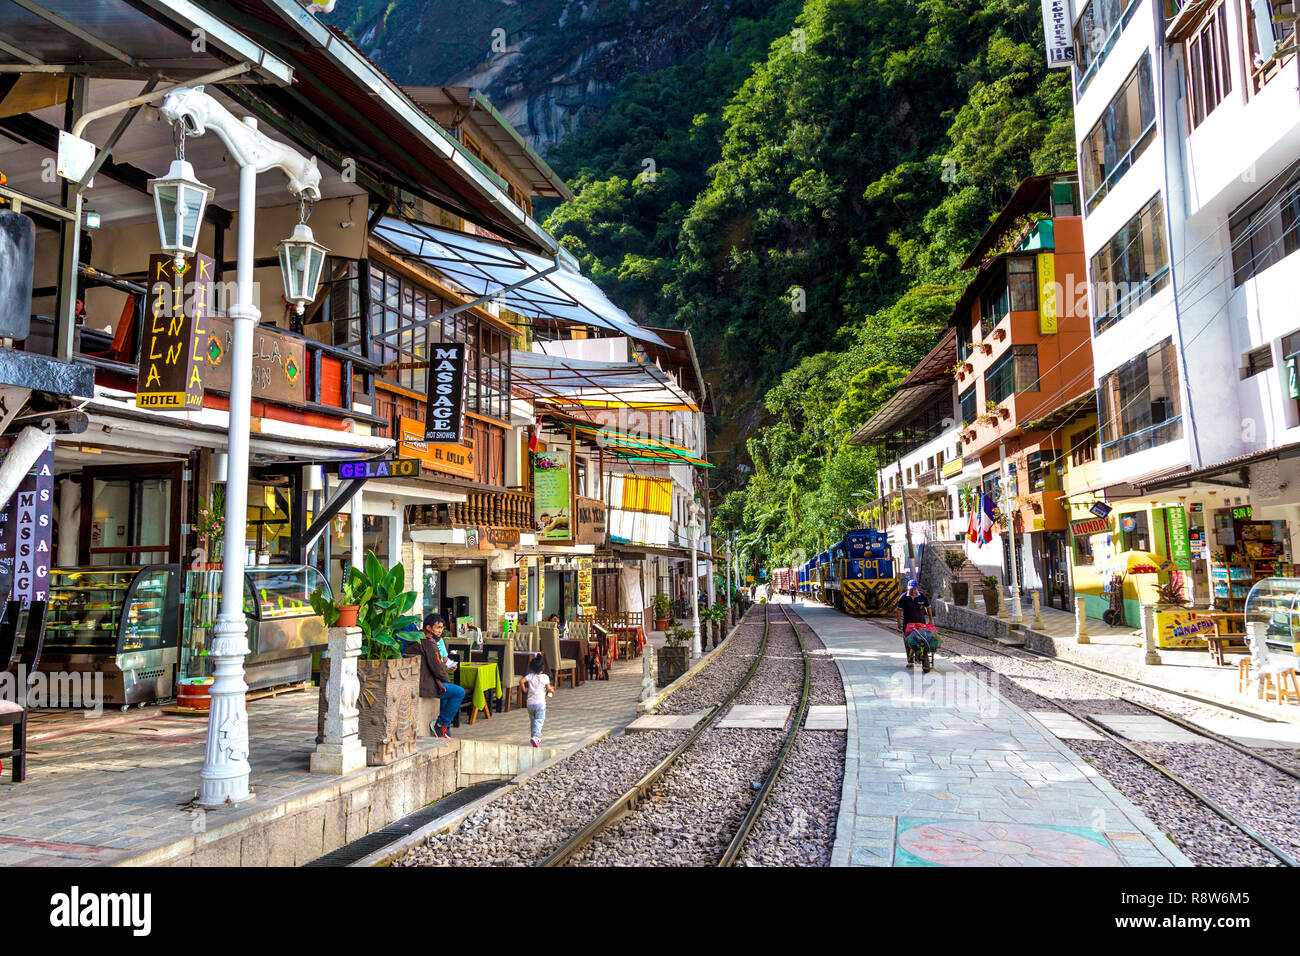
386	613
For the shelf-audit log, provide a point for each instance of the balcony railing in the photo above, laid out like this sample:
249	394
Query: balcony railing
492	509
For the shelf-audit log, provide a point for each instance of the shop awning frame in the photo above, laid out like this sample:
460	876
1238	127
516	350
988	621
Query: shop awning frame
584	384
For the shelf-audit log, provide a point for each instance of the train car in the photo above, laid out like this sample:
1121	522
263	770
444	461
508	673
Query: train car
862	578
803	579
783	581
821	577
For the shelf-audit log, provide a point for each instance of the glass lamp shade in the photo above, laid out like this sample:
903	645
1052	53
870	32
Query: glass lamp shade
179	200
302	260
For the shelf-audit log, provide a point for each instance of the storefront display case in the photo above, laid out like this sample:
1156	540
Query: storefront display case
121	622
1275	603
283	630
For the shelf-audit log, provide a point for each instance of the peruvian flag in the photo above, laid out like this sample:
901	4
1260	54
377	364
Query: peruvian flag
972	526
984	530
532	435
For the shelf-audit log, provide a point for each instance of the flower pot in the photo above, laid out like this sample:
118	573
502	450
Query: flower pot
194	695
991	601
672	663
661	624
348	615
961	592
389	707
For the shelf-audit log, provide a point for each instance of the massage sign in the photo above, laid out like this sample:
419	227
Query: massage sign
26	530
445	421
172	356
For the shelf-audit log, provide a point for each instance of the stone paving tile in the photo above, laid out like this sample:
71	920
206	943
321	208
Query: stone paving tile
965	776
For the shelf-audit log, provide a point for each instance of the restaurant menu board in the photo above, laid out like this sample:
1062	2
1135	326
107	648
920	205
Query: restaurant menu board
172	351
26	530
551	495
523	591
445	420
584	582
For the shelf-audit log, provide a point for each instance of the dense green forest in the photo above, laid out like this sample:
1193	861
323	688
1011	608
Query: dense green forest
810	205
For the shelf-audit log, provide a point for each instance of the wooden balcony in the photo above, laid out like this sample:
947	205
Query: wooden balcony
488	509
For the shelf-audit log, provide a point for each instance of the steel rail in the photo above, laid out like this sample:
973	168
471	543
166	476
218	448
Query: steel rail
756	808
632	796
1210	802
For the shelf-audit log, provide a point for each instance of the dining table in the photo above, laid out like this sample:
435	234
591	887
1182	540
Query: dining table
478	679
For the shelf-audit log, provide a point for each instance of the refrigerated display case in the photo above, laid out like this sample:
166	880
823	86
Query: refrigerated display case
121	622
283	630
1275	603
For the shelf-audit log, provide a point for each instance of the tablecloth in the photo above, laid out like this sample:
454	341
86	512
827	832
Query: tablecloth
478	679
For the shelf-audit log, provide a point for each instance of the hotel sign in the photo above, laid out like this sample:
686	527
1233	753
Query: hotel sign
591	521
1057	18
172	362
455	460
445	419
1087	526
279	363
1048	310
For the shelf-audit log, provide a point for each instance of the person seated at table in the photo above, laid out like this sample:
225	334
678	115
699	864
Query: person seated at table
440	699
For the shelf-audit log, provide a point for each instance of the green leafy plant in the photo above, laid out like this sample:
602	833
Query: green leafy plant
354	593
989	581
679	636
663	606
956	560
385	613
1172	594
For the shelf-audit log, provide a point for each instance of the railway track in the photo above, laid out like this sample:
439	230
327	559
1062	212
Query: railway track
630	800
1250	831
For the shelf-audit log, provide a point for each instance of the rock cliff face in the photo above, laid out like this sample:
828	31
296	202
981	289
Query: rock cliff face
547	65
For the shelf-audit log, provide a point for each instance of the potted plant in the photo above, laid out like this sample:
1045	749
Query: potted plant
663	607
210	528
990	586
956	560
390	682
343	612
674	657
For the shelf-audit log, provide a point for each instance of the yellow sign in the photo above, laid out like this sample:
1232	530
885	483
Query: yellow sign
1183	629
749	579
455	460
1047	304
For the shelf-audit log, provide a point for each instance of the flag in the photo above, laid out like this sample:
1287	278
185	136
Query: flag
532	435
985	532
972	526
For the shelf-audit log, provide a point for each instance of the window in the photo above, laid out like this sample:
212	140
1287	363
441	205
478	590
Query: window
964	344
1209	78
1083	447
1256	361
339	318
1266	228
968	407
1022	284
1139	537
995	302
1291	367
1126	128
1131	267
1272	37
1139	403
1016	371
1095	33
396	302
1042	470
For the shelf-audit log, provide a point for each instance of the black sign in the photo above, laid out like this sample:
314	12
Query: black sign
26	526
387	468
175	334
445	420
1100	509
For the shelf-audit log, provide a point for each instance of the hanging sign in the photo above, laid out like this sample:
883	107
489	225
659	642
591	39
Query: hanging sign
551	495
445	419
172	359
386	468
1047	305
26	531
523	589
455	460
1180	546
590	515
1056	29
1100	509
279	363
1087	526
584	582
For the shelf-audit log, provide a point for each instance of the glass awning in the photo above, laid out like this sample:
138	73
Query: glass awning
583	383
483	267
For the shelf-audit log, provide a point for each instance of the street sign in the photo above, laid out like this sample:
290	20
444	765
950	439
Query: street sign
384	468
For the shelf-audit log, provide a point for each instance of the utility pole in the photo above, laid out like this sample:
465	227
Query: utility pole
1008	509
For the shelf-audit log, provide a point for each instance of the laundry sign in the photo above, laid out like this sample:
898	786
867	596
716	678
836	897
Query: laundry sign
1057	18
445	419
1087	526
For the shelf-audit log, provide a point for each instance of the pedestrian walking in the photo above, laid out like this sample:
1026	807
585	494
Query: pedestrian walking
538	688
913	608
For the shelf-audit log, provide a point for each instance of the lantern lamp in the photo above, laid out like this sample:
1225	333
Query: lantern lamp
179	200
302	260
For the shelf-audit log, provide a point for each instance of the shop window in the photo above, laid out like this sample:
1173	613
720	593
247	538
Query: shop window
1137	536
1083	553
1139	403
1120	136
1130	268
1209	74
268	529
1266	228
130	521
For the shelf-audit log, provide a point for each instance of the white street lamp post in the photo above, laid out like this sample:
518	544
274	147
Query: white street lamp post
223	779
694	530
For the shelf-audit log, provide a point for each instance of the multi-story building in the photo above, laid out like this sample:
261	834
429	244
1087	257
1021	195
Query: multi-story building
1188	130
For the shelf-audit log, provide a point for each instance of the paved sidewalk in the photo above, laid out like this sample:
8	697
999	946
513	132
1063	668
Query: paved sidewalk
941	770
